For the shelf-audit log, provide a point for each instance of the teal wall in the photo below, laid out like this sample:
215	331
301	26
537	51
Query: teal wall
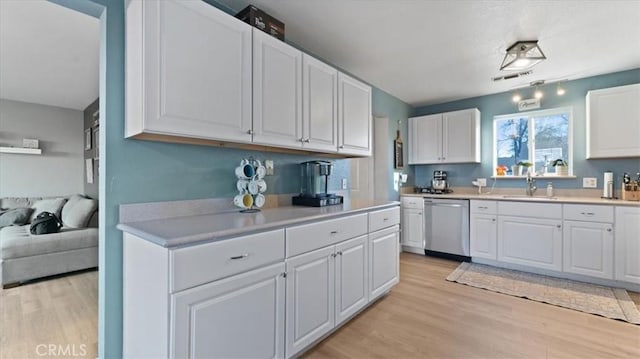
139	171
499	104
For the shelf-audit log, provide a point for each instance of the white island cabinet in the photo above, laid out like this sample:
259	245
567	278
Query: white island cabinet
188	71
247	296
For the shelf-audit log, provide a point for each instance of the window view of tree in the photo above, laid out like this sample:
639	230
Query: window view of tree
538	137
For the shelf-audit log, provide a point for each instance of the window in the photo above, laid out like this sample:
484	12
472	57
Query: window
538	137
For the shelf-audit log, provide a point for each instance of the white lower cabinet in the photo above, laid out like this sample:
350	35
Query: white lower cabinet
383	261
251	306
352	274
413	229
310	298
534	242
483	236
627	252
588	249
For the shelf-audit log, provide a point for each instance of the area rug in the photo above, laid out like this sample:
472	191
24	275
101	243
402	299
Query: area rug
608	302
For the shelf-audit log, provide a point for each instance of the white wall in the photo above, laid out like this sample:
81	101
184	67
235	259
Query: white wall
59	170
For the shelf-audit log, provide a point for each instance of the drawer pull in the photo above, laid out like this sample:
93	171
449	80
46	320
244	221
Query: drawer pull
587	213
482	207
385	219
242	256
333	232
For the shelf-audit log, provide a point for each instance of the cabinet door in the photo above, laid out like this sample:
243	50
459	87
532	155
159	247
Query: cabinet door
627	237
384	261
413	228
351	277
310	298
529	241
613	122
588	249
319	105
425	139
180	82
483	239
354	117
238	317
461	136
277	92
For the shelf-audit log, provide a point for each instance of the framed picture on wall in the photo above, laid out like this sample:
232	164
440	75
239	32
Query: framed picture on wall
87	139
398	160
96	140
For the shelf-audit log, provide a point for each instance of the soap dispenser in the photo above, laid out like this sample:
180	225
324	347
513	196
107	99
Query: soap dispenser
549	190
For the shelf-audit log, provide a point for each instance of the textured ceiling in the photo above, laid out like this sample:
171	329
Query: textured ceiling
427	52
48	54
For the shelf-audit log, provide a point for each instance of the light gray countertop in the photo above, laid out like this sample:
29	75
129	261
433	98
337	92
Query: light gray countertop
188	230
524	198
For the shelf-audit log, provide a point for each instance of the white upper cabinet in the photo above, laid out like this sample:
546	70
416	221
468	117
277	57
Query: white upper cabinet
319	105
450	137
354	117
182	83
613	122
277	92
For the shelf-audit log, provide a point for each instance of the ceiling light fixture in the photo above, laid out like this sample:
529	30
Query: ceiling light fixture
522	55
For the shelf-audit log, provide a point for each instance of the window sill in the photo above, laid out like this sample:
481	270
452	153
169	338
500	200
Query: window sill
535	177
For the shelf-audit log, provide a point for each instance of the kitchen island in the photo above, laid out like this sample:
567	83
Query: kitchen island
265	284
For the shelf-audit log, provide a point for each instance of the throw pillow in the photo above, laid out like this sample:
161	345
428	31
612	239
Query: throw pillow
15	217
78	210
53	205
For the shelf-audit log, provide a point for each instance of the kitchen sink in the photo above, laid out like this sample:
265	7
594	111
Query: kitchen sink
525	197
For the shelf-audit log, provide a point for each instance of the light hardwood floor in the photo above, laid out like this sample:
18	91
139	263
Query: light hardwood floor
423	317
61	311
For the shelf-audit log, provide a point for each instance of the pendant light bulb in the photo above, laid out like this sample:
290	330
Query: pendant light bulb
560	91
538	94
516	97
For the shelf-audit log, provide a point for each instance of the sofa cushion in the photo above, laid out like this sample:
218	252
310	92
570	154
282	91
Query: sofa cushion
15	217
17	242
77	211
53	205
17	202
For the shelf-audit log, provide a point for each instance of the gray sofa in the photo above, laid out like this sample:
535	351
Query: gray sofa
24	256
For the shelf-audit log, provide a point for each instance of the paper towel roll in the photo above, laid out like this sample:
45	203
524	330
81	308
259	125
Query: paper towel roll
607	185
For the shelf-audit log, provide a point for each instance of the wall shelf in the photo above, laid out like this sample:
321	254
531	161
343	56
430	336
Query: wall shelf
21	151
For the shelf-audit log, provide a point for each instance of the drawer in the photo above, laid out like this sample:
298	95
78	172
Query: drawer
308	237
478	206
588	212
192	266
527	209
383	218
412	202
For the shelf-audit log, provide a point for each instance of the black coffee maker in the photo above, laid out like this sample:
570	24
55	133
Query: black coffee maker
314	185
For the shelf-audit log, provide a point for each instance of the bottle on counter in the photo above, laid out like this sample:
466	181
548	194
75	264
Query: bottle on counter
549	190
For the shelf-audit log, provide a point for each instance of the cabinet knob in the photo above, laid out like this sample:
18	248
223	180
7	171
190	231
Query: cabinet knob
333	255
609	230
341	146
559	226
306	140
493	219
300	139
340	252
420	213
249	132
444	158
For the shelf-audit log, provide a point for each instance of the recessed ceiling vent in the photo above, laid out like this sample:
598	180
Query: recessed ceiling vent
512	76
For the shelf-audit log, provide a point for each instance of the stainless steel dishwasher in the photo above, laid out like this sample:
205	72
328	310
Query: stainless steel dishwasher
446	227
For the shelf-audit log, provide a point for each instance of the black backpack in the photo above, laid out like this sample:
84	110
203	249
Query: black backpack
45	222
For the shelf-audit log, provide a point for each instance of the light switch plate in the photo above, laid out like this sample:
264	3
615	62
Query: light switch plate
268	165
589	182
344	183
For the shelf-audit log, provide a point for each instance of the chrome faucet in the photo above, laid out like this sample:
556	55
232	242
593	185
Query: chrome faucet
531	185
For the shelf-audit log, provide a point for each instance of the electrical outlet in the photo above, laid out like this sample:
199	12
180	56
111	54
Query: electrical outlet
589	182
344	183
482	182
268	165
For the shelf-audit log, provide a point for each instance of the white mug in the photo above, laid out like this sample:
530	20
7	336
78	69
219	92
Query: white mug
245	171
257	186
242	185
243	200
259	200
261	171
